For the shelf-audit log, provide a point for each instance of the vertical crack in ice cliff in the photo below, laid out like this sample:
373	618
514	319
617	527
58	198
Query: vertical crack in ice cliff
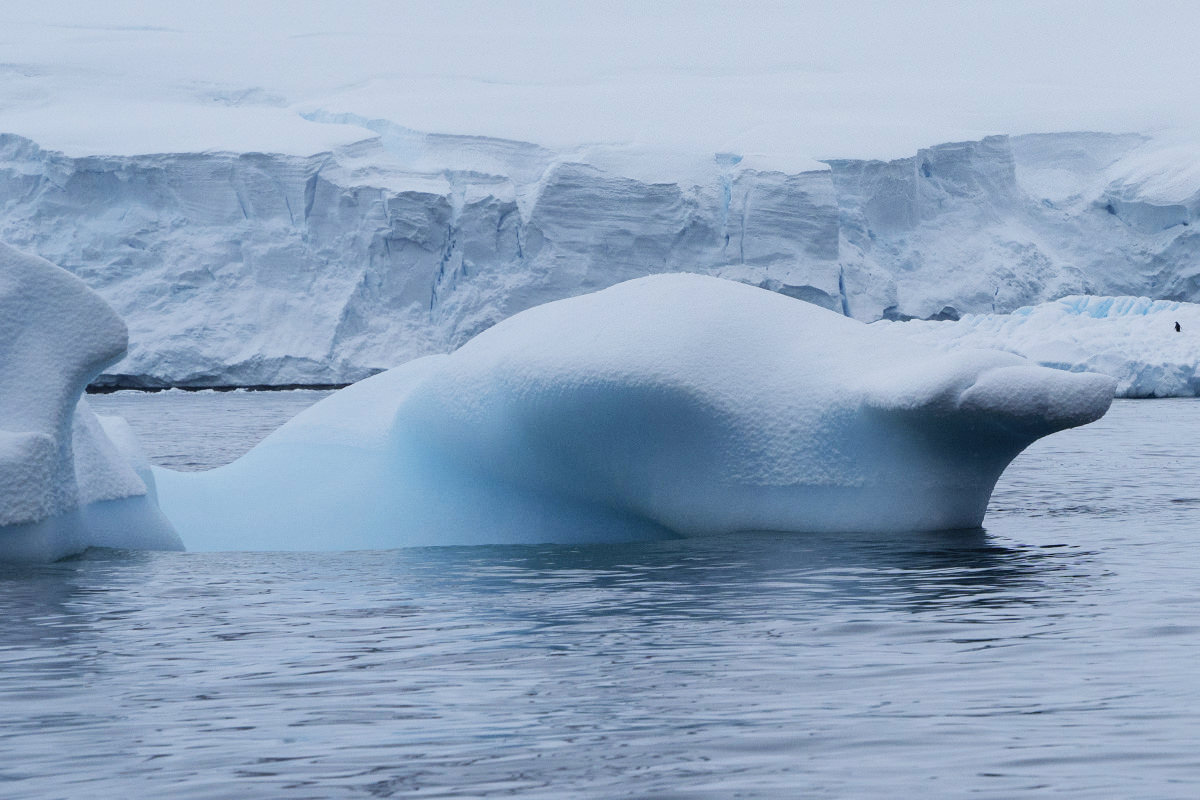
845	301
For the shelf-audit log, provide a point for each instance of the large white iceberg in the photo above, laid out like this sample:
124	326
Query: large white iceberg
1132	339
68	479
667	405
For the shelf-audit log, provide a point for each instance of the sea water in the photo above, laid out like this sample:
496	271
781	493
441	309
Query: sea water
1056	652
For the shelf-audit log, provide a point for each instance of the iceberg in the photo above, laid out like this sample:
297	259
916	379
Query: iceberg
670	405
69	480
1131	339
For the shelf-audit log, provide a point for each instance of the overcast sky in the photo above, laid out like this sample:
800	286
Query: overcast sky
814	79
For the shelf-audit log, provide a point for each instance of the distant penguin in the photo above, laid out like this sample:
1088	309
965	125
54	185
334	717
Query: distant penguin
1177	328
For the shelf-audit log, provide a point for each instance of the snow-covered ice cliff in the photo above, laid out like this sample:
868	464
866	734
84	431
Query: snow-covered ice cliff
259	269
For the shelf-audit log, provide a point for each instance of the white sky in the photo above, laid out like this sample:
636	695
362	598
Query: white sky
786	81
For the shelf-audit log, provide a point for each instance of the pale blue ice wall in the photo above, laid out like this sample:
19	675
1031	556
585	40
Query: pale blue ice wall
265	269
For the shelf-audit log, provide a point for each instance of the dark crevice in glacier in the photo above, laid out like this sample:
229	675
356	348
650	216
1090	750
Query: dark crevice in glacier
844	301
139	383
310	190
742	230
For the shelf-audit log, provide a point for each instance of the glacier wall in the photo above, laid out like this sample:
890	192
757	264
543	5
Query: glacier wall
257	269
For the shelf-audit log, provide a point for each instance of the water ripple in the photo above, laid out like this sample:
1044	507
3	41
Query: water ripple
1053	652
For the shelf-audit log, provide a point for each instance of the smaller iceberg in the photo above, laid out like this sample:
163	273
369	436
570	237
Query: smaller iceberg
1131	339
69	480
672	405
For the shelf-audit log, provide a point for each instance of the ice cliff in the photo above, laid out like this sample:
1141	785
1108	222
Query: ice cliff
259	269
663	406
68	479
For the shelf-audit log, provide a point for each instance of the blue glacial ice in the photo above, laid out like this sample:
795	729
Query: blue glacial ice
663	406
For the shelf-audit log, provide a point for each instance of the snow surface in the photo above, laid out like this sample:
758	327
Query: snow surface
667	405
65	485
1132	339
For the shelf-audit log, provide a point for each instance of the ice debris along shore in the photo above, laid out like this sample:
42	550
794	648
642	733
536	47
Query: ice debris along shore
1132	339
243	269
69	480
663	406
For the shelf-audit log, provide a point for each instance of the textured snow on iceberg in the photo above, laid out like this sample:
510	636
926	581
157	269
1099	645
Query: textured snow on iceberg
667	405
68	479
1132	339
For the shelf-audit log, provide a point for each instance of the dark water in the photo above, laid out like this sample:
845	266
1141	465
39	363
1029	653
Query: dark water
198	430
1057	653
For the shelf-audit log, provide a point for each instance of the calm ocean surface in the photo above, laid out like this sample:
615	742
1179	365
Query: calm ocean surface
1056	653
